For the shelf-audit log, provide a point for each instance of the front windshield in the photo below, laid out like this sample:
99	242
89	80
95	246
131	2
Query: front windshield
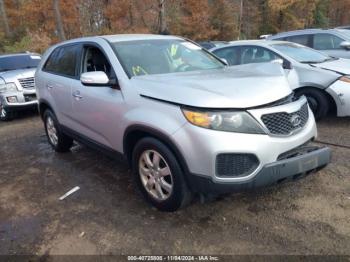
301	53
16	62
148	57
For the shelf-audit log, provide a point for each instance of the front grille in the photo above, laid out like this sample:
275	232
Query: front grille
283	123
30	98
27	83
235	165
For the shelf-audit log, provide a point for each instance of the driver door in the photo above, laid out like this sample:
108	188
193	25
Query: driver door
97	109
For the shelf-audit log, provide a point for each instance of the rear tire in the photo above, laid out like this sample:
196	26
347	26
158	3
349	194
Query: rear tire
158	175
317	100
57	139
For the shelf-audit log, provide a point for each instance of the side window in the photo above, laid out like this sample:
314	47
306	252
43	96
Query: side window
300	39
327	41
63	61
51	63
231	54
256	54
95	60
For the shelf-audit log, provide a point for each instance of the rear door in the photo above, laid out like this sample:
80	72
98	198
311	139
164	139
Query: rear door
58	73
97	110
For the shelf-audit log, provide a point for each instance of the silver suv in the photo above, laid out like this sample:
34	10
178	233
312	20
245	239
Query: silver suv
334	42
185	122
17	89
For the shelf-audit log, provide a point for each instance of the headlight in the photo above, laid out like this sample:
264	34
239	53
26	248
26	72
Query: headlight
9	87
345	79
240	122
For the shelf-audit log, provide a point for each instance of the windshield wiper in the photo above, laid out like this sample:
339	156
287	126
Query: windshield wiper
27	67
331	58
311	62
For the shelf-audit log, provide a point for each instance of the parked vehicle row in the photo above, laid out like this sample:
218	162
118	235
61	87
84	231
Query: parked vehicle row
323	79
185	122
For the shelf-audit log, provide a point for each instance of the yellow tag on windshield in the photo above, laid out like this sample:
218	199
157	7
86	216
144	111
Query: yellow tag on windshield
138	70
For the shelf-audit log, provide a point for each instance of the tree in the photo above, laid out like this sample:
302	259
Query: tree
223	20
162	19
58	18
195	22
4	18
320	14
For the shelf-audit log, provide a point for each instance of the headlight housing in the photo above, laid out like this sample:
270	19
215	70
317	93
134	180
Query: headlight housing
8	87
232	121
345	79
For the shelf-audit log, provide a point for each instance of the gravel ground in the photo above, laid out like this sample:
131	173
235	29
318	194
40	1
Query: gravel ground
108	216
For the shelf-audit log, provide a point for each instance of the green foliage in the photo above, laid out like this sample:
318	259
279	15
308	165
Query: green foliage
320	14
18	46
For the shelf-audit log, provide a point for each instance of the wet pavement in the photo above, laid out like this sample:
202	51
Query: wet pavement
108	216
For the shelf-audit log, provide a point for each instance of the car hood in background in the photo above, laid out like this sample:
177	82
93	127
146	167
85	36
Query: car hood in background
341	66
13	75
241	86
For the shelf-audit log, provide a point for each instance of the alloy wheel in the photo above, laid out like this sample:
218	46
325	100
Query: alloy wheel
155	174
51	130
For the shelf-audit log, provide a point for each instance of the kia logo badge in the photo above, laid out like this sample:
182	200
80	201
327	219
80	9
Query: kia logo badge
295	120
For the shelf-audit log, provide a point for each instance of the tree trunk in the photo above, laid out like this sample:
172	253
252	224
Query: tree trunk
240	20
58	18
4	18
162	28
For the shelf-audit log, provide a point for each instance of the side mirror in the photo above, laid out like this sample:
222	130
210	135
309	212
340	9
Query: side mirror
345	45
98	78
278	61
224	61
284	63
287	65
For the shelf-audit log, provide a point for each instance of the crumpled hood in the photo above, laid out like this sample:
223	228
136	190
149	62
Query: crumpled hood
341	66
241	86
12	76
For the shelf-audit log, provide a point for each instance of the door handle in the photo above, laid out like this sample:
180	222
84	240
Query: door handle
48	86
77	95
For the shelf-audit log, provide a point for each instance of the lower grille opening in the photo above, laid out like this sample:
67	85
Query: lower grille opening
301	150
29	98
235	165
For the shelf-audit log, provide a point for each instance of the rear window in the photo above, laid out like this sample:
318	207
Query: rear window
63	61
15	62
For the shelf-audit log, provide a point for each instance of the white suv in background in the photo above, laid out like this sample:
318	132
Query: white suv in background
17	88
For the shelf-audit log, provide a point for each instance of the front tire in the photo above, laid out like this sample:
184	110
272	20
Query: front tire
57	139
158	175
5	115
317	100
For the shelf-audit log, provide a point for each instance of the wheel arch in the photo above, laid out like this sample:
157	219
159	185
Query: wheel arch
332	102
43	105
135	133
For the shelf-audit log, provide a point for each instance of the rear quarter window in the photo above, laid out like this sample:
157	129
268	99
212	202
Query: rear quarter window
300	39
63	61
327	42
